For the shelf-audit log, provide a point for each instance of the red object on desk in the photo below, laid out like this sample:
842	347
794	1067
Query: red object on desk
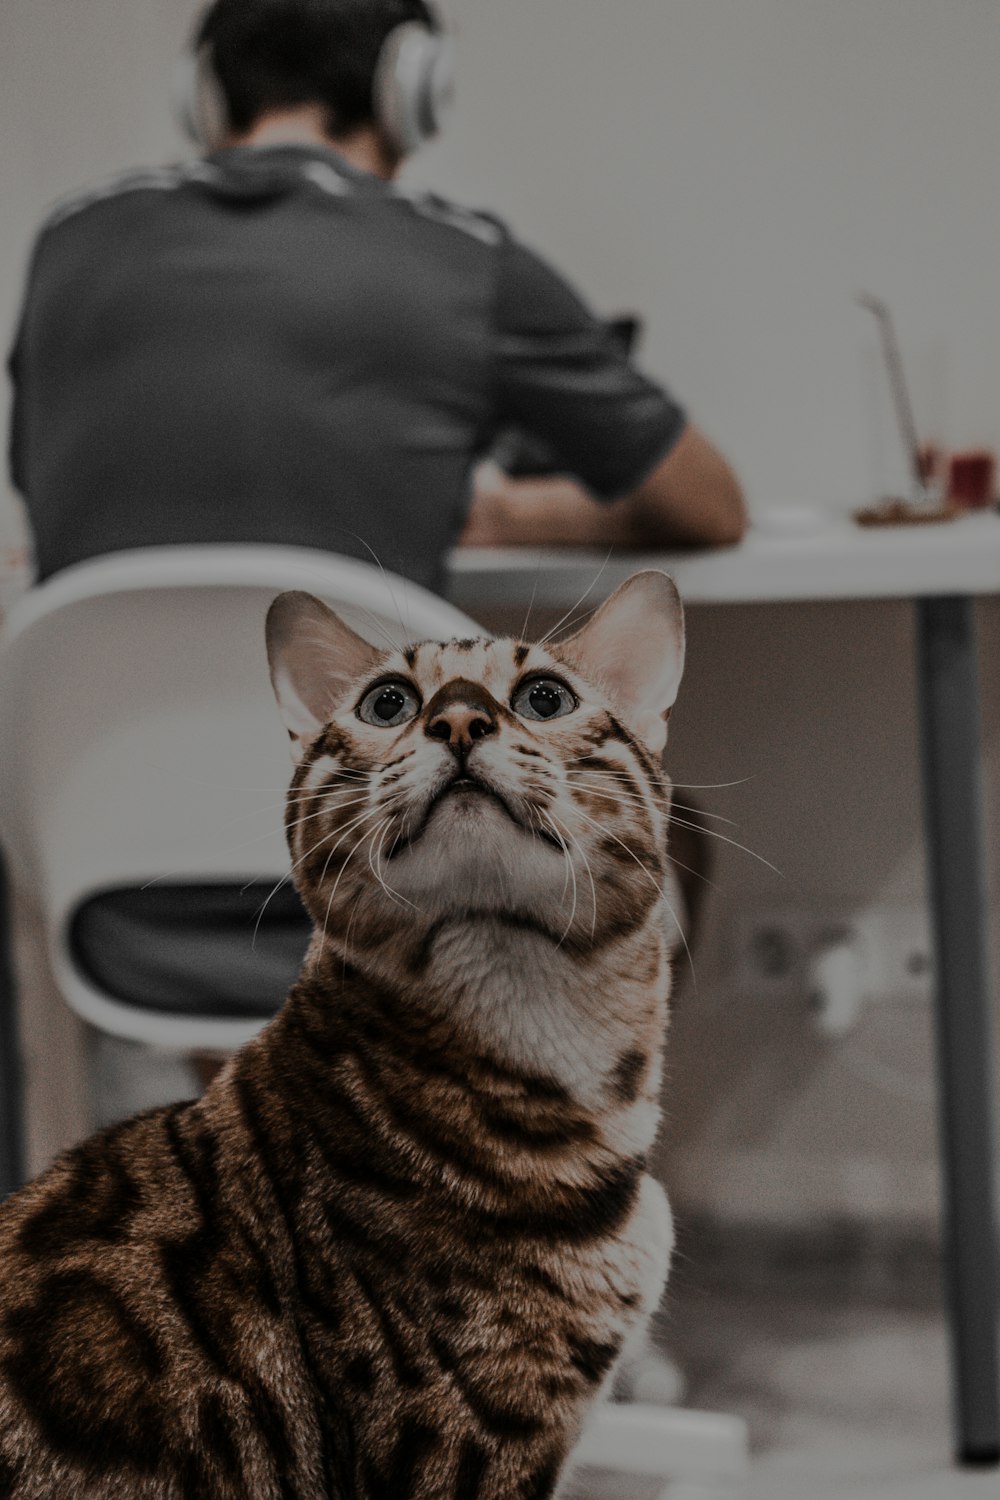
972	478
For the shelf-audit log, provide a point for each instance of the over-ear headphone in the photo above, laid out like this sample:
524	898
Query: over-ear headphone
414	84
198	101
412	89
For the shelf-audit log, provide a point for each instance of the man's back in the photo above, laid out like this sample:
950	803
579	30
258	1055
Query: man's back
274	346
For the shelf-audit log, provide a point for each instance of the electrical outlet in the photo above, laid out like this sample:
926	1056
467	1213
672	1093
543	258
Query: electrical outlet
772	950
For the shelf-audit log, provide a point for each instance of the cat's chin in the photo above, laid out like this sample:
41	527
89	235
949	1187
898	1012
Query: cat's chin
467	811
471	848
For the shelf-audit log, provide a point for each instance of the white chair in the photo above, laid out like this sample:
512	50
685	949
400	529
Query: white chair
139	744
139	741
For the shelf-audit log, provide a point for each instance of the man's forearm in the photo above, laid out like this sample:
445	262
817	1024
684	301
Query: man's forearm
691	499
552	512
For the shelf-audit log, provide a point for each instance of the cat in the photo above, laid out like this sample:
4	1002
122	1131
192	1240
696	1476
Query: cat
398	1248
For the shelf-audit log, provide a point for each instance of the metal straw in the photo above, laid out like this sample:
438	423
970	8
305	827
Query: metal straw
900	395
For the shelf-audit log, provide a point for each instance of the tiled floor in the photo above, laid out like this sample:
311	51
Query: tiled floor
833	1349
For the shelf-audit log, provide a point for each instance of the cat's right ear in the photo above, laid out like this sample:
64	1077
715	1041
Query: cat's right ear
634	648
316	661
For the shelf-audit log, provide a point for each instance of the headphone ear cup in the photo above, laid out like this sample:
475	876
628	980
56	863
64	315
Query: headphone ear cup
413	85
199	104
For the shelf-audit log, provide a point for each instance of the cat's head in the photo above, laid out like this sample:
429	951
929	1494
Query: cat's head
489	775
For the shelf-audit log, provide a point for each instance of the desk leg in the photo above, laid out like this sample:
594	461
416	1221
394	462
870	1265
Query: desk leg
949	705
11	1091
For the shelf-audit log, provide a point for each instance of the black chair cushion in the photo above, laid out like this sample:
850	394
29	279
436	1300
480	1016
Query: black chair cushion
193	950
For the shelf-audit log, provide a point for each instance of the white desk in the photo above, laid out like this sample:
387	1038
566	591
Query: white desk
841	561
941	567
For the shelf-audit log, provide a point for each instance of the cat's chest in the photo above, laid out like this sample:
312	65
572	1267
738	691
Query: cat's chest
424	1302
493	1346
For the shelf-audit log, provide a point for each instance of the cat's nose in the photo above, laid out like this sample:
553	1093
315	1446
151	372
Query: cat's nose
460	714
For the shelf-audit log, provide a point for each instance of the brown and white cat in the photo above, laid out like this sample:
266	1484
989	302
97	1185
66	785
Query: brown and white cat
396	1250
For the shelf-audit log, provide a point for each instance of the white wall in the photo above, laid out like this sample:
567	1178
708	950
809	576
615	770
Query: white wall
736	170
83	92
739	169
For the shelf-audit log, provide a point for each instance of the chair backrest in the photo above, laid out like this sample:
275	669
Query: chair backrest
139	740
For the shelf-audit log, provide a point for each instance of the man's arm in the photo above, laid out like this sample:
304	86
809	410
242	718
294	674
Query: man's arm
692	498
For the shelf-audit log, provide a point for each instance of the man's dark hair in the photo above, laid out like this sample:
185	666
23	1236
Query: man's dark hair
276	54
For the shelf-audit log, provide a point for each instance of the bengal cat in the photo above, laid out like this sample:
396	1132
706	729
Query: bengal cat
397	1248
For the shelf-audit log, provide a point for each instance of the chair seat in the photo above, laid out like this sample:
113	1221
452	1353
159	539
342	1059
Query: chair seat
193	949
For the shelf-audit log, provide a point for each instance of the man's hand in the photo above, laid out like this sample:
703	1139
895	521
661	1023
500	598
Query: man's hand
692	498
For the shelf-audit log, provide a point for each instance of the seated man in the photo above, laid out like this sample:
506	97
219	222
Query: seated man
278	344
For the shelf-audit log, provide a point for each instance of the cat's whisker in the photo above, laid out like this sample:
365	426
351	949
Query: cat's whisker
523	638
385	826
625	791
374	619
545	818
359	844
617	794
376	869
226	849
683	937
713	833
602	828
268	833
585	595
283	881
385	579
660	783
297	801
667	782
344	832
586	864
324	812
701	813
268	899
658	885
698	874
330	784
346	941
570	873
378	829
257	812
276	888
375	624
710	786
678	864
301	860
570	866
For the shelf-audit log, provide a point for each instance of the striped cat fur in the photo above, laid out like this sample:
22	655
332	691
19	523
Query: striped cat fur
398	1247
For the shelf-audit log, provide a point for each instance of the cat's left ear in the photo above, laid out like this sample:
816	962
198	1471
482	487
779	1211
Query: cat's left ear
316	663
633	648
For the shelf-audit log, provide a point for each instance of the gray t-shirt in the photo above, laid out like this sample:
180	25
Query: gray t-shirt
272	346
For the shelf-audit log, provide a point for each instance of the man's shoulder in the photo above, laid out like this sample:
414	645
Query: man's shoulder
120	185
477	223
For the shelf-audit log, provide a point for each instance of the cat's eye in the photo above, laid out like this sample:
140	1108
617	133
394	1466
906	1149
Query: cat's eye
543	698
388	704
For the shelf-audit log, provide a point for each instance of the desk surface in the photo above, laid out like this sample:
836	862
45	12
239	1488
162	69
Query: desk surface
836	561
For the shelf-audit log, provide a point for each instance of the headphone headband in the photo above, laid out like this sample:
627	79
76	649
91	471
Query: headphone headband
412	89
